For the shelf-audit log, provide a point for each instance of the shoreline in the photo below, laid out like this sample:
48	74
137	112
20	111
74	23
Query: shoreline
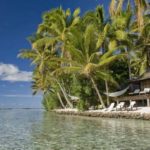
137	114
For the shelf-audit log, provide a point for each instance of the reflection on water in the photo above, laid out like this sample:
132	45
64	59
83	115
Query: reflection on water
38	130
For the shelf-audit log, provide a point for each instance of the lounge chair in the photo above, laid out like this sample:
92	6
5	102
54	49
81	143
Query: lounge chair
132	104
146	90
136	91
120	106
92	108
110	108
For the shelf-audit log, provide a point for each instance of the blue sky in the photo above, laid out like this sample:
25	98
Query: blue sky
18	20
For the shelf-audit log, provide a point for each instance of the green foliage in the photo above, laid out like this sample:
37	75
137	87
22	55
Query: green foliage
82	105
75	55
50	101
87	92
120	72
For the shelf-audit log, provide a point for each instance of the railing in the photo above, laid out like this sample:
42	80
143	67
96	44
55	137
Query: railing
134	98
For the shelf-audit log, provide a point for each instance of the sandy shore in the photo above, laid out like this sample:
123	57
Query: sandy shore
140	113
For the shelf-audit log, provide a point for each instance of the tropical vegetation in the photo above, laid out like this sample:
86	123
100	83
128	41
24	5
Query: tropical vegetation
77	58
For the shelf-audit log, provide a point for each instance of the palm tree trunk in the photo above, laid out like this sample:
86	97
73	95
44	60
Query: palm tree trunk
60	100
129	69
107	91
65	95
129	64
98	93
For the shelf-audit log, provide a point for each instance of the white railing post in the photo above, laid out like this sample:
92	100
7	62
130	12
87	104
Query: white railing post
148	102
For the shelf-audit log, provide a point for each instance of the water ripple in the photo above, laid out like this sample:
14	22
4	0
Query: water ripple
39	130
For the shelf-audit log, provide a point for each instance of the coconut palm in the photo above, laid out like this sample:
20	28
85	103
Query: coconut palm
141	62
141	6
41	54
123	29
57	24
87	60
69	44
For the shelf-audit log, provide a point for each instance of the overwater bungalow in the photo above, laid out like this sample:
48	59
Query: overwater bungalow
140	91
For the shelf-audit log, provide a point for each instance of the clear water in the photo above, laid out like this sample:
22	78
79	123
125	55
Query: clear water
38	130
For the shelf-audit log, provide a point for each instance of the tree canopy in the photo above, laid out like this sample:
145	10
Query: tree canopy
85	56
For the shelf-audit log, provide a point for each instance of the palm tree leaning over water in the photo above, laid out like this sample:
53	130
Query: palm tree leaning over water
41	55
57	24
54	29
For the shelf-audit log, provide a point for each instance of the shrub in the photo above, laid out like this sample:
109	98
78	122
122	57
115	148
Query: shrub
50	101
82	105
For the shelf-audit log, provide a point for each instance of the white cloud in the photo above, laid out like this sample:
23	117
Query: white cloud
9	72
8	69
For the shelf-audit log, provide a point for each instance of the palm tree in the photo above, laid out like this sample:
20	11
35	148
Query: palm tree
41	54
65	43
123	29
87	60
141	62
57	24
141	7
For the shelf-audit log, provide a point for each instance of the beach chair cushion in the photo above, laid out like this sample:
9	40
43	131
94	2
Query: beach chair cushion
136	91
110	108
146	90
132	103
120	105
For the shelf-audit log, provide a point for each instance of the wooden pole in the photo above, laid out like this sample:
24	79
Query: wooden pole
148	102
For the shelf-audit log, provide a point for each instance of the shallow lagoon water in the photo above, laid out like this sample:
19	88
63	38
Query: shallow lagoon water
35	129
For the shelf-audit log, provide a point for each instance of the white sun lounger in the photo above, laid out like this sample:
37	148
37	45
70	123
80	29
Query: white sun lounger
136	91
146	90
132	104
110	108
120	106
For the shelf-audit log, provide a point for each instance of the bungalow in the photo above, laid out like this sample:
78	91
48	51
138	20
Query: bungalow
140	91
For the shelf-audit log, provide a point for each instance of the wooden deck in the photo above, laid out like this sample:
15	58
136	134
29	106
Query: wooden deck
134	98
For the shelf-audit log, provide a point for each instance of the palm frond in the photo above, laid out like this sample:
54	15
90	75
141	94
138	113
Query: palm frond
100	13
65	70
112	7
105	75
119	7
76	12
110	59
27	54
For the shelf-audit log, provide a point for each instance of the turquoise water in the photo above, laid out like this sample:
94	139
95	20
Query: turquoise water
34	129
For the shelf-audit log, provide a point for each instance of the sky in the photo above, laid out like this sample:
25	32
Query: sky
18	20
